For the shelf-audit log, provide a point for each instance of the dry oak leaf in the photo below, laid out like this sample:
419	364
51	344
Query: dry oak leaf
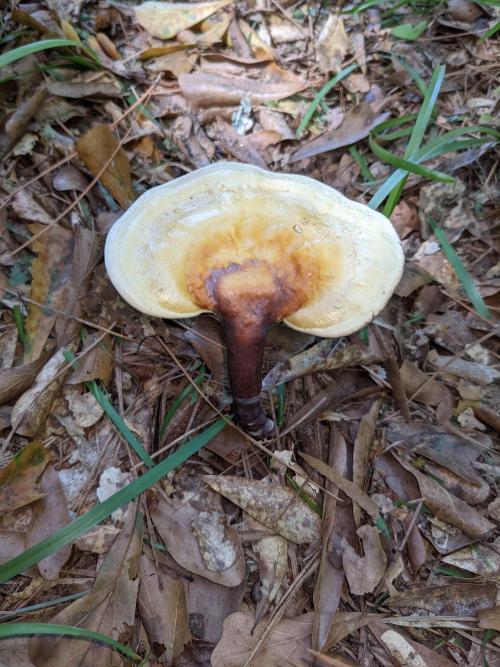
332	45
165	19
19	479
364	572
95	149
49	514
275	506
162	607
287	644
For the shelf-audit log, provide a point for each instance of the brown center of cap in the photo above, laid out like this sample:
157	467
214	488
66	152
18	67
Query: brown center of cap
251	278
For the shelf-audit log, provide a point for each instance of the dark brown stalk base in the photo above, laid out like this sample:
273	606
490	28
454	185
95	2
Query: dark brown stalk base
245	351
250	415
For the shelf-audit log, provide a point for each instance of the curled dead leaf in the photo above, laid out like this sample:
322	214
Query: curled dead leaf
275	506
365	572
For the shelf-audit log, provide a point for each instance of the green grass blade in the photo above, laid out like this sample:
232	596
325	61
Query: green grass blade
100	512
321	94
463	275
426	111
408	165
362	164
410	162
419	82
44	44
492	31
17	629
115	417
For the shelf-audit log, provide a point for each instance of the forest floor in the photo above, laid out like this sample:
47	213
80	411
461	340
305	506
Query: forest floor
365	530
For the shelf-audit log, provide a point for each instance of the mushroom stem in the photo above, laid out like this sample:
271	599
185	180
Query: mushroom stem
245	352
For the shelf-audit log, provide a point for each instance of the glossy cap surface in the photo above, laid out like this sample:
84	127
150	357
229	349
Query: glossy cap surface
230	231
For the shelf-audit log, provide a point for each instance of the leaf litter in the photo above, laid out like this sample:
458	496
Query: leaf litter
366	532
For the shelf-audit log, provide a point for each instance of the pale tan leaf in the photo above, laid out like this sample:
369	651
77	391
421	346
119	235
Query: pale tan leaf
355	494
32	408
489	619
165	19
13	381
332	45
287	643
319	357
162	606
448	507
364	572
362	445
50	513
345	623
50	286
177	519
275	506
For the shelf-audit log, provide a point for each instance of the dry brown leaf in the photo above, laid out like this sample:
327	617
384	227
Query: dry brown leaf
109	607
331	574
162	606
288	642
94	364
275	506
50	286
405	650
95	149
432	392
13	381
203	89
483	559
180	62
165	19
404	486
319	357
217	554
80	89
468	370
49	514
27	207
449	507
361	452
355	493
489	619
357	124
192	140
18	122
462	599
332	45
209	604
14	653
345	623
19	480
33	407
272	556
364	573
237	145
261	51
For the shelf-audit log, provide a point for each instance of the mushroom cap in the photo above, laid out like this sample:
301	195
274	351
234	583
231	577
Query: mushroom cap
340	257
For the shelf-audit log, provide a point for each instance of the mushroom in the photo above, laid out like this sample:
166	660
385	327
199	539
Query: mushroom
255	248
